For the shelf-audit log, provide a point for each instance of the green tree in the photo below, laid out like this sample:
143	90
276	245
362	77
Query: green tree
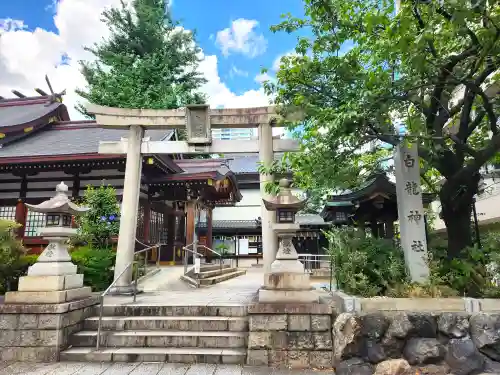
102	220
148	61
431	64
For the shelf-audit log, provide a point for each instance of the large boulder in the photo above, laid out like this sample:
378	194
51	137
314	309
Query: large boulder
453	325
463	357
423	350
392	367
354	366
347	338
485	333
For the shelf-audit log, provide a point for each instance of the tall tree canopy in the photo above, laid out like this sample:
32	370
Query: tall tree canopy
147	62
432	64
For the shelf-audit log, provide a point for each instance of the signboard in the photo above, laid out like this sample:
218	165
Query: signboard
198	124
243	247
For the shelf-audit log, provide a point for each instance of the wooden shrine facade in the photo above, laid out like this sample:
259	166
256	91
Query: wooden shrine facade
43	148
373	205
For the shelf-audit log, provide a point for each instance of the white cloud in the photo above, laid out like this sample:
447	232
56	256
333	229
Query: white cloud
9	24
26	56
241	38
262	77
237	72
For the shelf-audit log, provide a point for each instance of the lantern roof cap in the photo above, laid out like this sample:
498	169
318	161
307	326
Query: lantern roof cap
60	203
285	199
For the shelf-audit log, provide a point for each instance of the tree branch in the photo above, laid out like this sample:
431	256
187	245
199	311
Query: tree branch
449	17
421	25
474	124
462	146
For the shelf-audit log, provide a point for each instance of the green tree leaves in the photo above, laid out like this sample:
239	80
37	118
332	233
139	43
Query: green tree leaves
149	61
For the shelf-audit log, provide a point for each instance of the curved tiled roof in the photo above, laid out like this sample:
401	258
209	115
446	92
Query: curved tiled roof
70	138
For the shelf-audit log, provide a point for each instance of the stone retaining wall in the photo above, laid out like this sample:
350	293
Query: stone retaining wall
401	343
380	343
290	335
38	333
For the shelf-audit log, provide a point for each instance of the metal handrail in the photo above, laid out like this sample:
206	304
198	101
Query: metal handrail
216	253
101	297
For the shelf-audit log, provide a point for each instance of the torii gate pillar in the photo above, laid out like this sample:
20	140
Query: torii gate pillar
199	120
268	218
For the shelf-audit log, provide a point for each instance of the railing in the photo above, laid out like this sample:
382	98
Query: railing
309	259
196	255
135	278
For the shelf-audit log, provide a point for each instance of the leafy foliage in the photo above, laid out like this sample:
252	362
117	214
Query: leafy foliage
149	61
102	220
96	265
475	274
11	255
364	266
368	67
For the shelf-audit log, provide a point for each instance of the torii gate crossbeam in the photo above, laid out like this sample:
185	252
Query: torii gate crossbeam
198	120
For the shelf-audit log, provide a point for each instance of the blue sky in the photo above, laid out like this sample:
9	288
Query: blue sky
234	36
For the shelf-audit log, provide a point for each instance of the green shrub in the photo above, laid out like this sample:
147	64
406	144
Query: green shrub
96	266
475	274
102	220
11	253
365	266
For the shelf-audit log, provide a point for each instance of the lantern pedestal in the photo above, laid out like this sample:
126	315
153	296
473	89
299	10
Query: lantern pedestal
53	278
287	281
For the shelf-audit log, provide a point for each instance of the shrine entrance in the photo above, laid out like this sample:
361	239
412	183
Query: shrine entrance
198	120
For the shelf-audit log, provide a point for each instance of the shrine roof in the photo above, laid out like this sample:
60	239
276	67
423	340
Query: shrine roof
69	138
237	163
377	183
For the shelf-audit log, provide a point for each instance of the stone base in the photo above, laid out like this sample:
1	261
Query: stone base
52	269
287	265
287	296
127	290
38	333
50	283
47	297
287	281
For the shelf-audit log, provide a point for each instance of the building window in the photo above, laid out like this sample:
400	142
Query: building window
8	213
34	221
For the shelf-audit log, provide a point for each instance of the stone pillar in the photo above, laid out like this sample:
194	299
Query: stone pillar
411	211
128	215
269	238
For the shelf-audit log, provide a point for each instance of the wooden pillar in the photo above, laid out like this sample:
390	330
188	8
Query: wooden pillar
190	215
147	220
389	229
209	234
21	209
21	213
375	228
75	189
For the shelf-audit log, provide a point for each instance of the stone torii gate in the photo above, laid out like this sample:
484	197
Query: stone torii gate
198	120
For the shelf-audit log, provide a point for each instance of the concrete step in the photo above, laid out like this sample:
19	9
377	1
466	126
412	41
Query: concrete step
154	339
211	267
216	272
172	355
173	323
221	278
162	310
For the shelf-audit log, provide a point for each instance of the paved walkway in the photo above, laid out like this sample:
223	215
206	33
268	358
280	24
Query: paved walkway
64	368
166	288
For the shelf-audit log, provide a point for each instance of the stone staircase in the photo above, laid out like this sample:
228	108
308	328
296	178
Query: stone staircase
211	274
182	334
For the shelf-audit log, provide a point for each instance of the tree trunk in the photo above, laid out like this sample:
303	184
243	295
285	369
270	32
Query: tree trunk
456	204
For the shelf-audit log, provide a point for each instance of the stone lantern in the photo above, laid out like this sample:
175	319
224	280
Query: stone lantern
53	278
287	281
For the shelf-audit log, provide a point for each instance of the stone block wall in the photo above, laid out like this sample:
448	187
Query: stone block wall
402	343
38	333
290	335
